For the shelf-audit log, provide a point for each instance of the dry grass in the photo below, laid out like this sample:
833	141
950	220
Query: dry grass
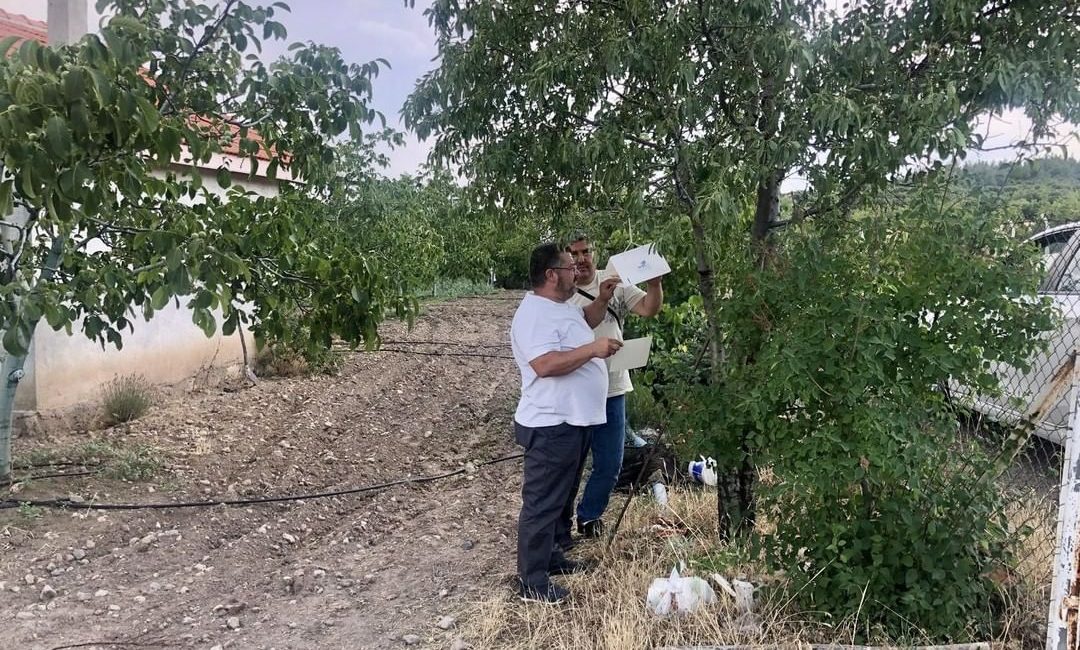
125	399
271	362
1025	621
608	608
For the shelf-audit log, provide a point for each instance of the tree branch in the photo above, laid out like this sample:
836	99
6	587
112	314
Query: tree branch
626	136
207	37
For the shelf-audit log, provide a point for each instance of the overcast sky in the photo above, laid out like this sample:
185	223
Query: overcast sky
363	30
368	29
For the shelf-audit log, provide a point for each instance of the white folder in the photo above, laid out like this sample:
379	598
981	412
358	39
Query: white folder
639	264
633	354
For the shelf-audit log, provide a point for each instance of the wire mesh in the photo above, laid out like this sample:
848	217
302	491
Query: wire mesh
1024	427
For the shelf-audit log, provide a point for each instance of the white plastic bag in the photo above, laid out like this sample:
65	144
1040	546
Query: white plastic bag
678	595
741	591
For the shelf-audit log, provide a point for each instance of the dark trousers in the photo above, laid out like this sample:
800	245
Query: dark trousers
554	458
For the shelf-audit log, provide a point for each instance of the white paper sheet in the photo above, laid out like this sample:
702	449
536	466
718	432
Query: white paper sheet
633	354
639	264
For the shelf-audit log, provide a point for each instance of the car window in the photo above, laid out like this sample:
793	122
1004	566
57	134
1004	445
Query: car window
1070	279
1051	246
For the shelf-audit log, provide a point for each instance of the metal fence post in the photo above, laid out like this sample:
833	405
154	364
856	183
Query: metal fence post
1061	631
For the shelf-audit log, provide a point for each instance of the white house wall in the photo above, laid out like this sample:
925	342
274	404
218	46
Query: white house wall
68	370
63	370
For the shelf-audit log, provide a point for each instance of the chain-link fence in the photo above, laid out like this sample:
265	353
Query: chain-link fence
1025	428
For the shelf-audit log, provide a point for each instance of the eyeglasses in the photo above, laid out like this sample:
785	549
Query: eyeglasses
581	253
563	268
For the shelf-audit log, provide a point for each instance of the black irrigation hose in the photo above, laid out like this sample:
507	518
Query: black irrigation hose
122	644
447	354
68	503
457	343
35	477
482	297
59	463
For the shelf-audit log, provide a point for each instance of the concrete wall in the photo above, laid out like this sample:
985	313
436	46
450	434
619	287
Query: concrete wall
64	370
68	370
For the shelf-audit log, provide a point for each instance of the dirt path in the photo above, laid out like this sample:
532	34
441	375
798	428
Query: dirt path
362	571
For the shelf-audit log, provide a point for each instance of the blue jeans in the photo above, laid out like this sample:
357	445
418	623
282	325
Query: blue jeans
607	456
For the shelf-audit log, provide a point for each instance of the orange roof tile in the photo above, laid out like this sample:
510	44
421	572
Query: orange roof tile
233	147
23	27
18	25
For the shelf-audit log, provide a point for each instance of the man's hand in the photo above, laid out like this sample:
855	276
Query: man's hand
604	347
649	306
607	289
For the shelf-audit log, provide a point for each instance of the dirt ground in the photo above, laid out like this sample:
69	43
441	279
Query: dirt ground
376	570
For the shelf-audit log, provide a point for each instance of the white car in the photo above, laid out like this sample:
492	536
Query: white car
1020	390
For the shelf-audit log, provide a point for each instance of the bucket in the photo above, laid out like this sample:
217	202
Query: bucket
703	471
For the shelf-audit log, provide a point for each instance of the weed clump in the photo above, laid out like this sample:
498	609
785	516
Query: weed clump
125	399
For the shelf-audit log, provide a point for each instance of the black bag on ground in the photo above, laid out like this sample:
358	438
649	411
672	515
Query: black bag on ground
659	463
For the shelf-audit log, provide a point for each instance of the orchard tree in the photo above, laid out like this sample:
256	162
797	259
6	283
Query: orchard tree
691	113
685	117
101	226
420	225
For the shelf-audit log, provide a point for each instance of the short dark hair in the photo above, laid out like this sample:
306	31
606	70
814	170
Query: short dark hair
543	257
576	237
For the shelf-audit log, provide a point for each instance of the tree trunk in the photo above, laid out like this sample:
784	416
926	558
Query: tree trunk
767	210
685	192
741	489
707	288
11	371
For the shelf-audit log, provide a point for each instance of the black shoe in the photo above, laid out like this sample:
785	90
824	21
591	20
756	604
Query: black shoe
569	567
567	544
591	529
552	594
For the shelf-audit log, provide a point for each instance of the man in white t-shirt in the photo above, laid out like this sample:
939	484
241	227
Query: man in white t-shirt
608	441
564	383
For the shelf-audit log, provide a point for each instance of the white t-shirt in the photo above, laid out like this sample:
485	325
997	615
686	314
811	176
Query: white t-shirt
579	398
622	302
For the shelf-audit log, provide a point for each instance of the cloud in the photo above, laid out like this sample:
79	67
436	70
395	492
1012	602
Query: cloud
409	158
1004	133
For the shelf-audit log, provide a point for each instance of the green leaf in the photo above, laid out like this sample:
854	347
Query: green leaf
114	337
26	182
203	299
224	177
58	137
230	324
6	43
160	298
147	115
6	200
205	321
103	87
16	338
75	84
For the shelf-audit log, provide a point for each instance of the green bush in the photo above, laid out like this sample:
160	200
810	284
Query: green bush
124	462
279	361
125	399
135	463
443	289
908	543
829	396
